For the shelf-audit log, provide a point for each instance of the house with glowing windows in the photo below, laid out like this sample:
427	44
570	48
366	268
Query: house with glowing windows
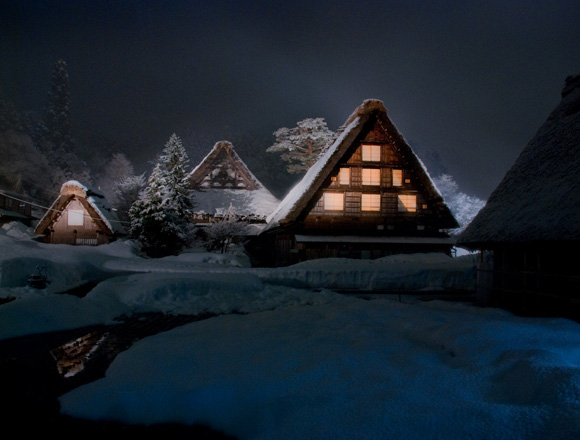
80	215
367	196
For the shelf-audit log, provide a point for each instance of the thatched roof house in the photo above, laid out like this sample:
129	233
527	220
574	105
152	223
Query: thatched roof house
531	221
80	216
222	180
367	196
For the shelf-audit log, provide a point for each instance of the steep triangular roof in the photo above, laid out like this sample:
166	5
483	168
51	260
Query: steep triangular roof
223	168
539	197
91	199
296	204
222	179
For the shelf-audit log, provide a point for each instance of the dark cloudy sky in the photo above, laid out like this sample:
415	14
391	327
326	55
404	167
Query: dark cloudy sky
472	80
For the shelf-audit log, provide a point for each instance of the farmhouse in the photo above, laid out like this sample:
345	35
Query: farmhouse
222	183
80	216
529	230
367	196
13	208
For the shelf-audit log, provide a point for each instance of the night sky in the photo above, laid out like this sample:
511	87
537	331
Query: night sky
470	80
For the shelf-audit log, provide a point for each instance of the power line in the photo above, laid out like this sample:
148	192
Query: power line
56	210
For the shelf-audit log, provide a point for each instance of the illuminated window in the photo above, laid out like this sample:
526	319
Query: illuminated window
371	202
344	176
407	203
371	176
371	153
333	201
397	177
75	217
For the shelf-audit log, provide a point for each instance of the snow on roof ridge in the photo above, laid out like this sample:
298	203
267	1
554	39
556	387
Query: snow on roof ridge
367	106
86	189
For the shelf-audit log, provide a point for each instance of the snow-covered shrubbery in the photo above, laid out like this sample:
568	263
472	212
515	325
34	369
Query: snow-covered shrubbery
463	206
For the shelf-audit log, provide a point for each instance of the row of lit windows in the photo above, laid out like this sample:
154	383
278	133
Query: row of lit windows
370	202
370	176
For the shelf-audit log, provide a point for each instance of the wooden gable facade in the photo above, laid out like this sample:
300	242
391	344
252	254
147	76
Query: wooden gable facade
368	196
222	168
79	216
528	233
223	183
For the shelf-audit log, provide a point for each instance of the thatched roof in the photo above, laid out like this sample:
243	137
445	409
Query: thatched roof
295	205
222	179
539	197
92	200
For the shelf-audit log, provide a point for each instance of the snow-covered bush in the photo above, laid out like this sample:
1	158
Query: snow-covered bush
463	207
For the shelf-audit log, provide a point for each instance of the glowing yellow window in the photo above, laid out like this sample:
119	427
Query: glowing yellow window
371	176
75	217
371	153
397	177
407	203
344	176
371	202
333	201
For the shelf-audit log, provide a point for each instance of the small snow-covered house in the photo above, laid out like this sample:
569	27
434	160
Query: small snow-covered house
80	216
222	183
529	230
367	196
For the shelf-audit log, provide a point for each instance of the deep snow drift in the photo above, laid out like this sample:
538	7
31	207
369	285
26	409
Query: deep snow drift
298	362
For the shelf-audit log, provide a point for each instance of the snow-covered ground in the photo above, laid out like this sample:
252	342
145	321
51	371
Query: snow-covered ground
300	360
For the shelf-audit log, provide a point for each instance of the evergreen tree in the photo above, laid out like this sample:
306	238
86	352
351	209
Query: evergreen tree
148	217
161	217
302	145
55	131
57	114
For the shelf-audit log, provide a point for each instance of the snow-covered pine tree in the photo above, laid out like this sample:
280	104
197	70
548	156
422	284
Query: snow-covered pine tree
161	217
55	131
178	200
301	146
148	217
57	126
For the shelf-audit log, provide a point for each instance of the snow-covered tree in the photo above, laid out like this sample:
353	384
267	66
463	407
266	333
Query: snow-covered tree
116	170
301	146
463	206
148	219
57	124
54	135
178	200
161	217
126	193
220	235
